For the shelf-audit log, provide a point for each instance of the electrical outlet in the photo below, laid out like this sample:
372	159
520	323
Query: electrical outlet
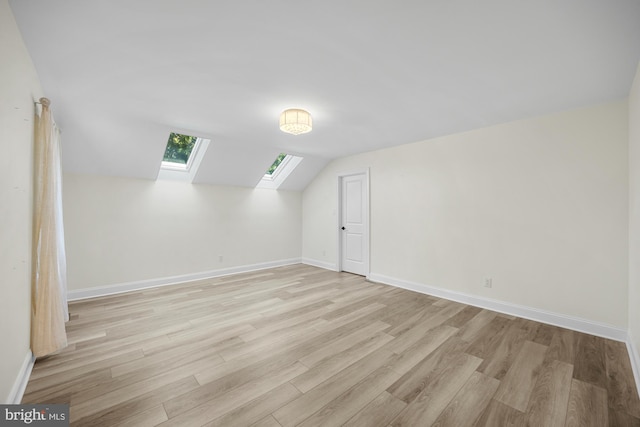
220	258
488	282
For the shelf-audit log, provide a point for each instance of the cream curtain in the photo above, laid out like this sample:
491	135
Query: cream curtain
49	285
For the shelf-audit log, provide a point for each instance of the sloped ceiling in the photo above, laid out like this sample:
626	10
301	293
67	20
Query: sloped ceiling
122	74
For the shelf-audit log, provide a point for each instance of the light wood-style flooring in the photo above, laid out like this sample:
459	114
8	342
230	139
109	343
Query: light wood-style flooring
299	345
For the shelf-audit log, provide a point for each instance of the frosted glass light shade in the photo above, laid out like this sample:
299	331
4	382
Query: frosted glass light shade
295	121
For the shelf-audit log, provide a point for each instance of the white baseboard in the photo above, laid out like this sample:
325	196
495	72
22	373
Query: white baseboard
20	385
173	280
320	264
634	356
556	319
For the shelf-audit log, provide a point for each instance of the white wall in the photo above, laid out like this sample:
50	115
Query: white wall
122	230
634	220
539	205
19	87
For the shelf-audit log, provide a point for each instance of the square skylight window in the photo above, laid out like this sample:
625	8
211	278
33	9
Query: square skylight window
182	156
279	170
179	152
276	163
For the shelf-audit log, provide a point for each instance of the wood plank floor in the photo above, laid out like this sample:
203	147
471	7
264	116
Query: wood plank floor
299	345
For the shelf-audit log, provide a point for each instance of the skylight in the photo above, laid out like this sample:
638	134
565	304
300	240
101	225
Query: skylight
182	157
178	154
279	170
277	162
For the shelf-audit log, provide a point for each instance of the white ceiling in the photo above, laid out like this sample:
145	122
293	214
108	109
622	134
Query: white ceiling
122	74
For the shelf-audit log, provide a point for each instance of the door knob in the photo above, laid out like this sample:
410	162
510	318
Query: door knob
343	228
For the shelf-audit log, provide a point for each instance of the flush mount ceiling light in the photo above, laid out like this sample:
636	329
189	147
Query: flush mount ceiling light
295	121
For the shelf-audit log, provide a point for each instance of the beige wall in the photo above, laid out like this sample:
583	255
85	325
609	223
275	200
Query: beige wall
19	87
538	205
634	217
126	230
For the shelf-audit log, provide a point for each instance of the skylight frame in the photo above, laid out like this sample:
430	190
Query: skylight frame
281	173
185	172
278	170
277	163
183	166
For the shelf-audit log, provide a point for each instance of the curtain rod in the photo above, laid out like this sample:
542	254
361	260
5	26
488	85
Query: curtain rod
43	101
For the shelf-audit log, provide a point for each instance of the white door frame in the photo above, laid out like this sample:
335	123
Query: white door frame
367	226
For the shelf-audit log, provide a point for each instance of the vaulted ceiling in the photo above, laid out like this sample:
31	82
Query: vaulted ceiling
122	74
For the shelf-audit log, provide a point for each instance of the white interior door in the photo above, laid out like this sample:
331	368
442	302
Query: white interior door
354	224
